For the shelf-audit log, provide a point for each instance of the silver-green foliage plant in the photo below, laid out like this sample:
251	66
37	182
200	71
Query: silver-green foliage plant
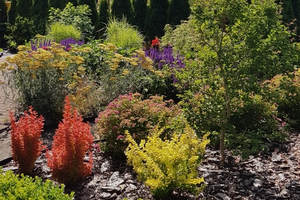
240	44
123	35
78	16
12	187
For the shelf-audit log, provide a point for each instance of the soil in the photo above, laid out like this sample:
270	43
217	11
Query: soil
274	174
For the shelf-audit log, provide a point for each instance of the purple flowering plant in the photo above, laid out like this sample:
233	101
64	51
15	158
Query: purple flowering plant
45	42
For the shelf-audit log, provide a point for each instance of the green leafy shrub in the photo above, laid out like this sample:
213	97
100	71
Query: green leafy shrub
111	74
43	78
19	33
123	35
284	91
130	112
176	165
78	16
71	142
25	139
13	187
58	32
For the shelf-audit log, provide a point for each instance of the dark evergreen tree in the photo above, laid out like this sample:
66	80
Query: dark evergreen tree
12	11
93	6
3	20
178	10
296	9
39	16
287	11
156	18
56	4
121	8
74	2
102	19
23	8
139	14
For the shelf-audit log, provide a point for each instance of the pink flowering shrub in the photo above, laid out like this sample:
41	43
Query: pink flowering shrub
71	142
25	139
130	112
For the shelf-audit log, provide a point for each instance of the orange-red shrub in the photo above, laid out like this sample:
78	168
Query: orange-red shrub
71	142
25	139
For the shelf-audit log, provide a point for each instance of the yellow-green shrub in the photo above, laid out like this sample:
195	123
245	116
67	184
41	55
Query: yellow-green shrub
168	165
59	31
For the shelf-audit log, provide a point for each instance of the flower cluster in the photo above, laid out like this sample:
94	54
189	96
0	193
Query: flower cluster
130	112
25	139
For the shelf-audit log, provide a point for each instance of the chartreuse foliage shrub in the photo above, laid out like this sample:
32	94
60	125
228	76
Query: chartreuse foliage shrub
25	187
71	142
58	32
43	78
284	90
25	139
130	112
123	35
78	16
166	165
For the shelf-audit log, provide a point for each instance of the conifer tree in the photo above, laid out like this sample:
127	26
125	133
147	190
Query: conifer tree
56	4
287	11
103	18
296	9
139	14
178	10
39	16
3	19
23	8
156	18
12	12
121	8
74	2
93	7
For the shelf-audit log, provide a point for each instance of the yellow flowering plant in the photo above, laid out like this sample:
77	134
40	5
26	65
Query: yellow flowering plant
167	165
42	78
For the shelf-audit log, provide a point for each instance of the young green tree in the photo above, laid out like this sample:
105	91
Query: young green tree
92	5
39	16
178	10
240	45
121	8
156	18
102	19
23	8
12	12
139	14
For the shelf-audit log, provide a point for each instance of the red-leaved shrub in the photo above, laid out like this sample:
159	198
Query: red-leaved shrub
71	142
25	139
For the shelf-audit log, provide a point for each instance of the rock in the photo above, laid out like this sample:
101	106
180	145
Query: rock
257	183
115	180
276	157
104	167
12	168
281	177
223	196
130	188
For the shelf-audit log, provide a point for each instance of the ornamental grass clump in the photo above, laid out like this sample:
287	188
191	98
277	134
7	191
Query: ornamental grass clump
130	112
167	165
71	142
25	139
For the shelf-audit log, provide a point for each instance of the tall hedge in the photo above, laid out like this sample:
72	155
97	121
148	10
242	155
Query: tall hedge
121	8
93	6
23	8
156	18
102	19
56	4
12	11
178	10
39	16
296	9
3	19
139	14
